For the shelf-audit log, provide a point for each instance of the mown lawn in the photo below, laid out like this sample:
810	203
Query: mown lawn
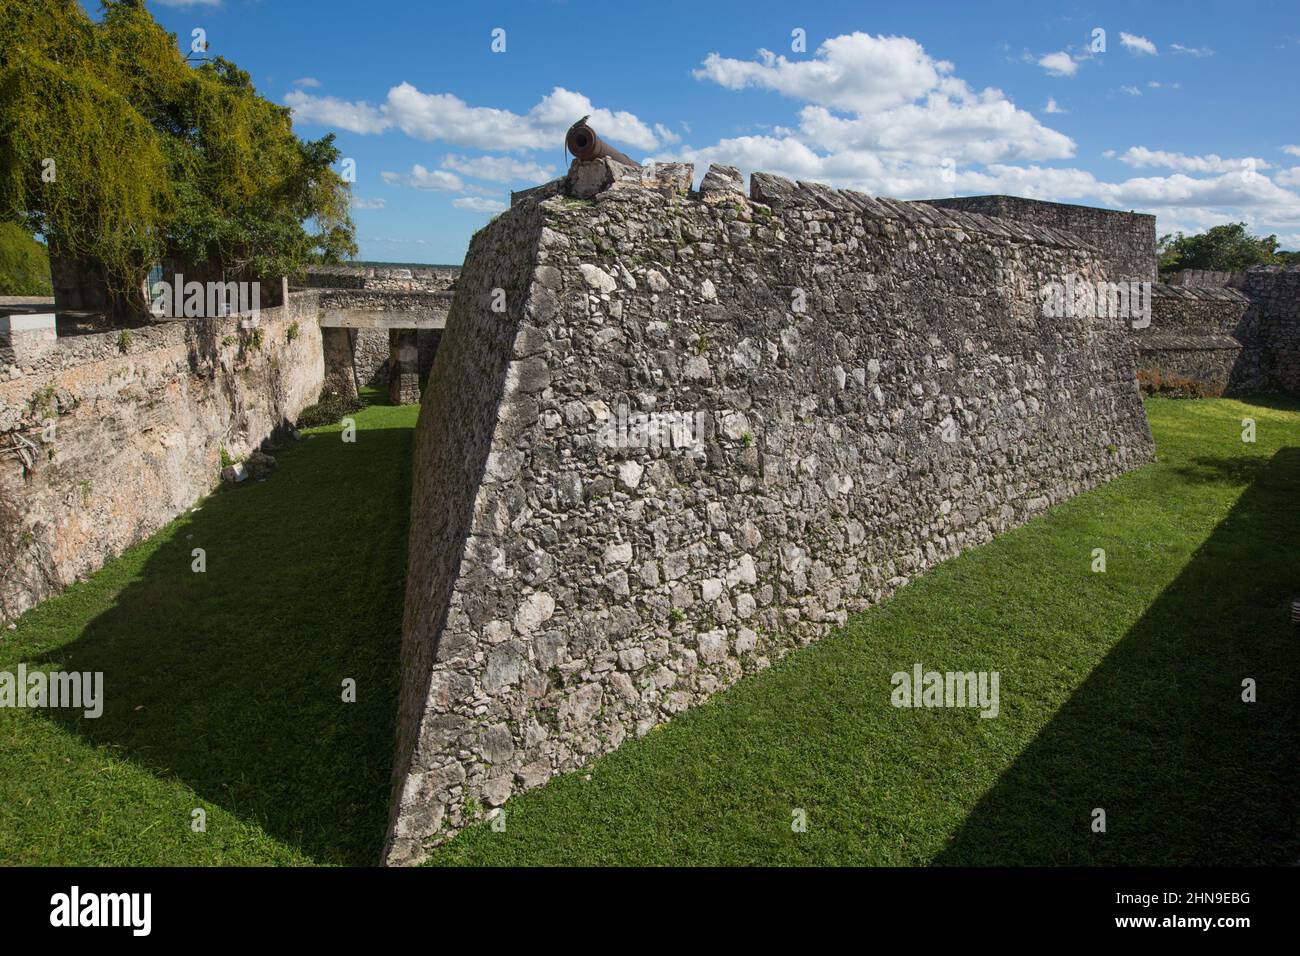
224	689
1119	690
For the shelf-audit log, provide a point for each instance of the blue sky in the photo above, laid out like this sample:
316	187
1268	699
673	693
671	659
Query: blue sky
1188	111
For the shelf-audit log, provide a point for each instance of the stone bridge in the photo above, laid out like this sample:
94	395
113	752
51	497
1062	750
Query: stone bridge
378	337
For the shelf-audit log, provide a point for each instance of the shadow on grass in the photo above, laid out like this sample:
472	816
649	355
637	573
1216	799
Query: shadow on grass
1158	736
1229	470
231	680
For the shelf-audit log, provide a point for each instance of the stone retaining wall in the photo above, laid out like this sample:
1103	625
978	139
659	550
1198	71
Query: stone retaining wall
705	428
108	438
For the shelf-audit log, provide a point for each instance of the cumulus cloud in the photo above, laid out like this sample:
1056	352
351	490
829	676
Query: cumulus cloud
499	169
358	117
308	82
359	203
448	118
1288	177
1052	107
856	72
479	204
430	179
1291	150
1211	163
887	96
1137	45
1059	64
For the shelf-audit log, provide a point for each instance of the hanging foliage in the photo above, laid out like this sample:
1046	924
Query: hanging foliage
121	154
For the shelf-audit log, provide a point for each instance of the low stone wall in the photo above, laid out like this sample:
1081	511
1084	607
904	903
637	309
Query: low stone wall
1191	339
381	278
109	437
705	428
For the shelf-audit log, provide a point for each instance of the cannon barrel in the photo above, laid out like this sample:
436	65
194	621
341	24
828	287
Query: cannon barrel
581	140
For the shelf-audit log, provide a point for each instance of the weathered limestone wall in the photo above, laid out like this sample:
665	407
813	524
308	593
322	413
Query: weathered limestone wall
135	430
1192	337
875	389
1125	241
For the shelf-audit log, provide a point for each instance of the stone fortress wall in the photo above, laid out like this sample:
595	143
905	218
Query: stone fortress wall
708	426
1125	241
106	437
1192	337
1233	333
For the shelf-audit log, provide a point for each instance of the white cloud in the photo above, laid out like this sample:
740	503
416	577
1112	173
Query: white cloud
359	117
479	204
666	135
1130	90
359	203
1211	163
1137	45
1052	107
856	72
1157	85
446	117
1291	150
500	169
421	178
308	82
1059	64
900	103
1191	50
1288	177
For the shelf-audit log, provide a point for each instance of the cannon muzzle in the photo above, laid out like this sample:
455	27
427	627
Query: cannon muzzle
584	144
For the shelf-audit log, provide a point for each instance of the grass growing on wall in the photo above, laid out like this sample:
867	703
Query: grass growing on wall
224	689
1118	690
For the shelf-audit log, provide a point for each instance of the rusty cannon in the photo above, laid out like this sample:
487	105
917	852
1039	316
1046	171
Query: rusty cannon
581	140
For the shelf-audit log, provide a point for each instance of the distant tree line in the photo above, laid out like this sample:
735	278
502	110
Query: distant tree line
122	154
1228	248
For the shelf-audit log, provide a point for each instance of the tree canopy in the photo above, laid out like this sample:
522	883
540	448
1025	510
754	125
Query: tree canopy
1227	248
122	154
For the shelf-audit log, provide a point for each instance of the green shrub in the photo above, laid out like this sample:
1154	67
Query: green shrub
124	340
1167	384
329	410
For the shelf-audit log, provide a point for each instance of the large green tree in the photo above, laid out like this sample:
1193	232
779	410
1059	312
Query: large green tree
1227	248
122	154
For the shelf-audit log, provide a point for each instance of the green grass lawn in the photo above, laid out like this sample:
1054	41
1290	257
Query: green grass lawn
224	689
1118	690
